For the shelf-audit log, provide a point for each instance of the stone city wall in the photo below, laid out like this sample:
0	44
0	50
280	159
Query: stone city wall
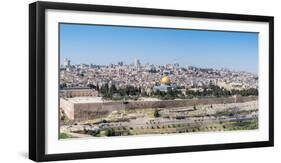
85	111
67	107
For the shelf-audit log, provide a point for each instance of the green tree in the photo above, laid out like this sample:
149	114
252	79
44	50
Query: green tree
156	113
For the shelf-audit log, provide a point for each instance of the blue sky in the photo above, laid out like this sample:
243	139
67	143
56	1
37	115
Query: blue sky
98	44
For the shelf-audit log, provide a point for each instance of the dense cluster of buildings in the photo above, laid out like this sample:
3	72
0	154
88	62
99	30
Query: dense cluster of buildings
151	77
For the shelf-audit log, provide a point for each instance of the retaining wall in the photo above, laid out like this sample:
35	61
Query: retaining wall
85	111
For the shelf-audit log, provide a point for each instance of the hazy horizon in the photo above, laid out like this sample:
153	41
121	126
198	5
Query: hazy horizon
104	45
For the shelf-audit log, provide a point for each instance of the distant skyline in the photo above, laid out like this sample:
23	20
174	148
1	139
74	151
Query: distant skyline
103	45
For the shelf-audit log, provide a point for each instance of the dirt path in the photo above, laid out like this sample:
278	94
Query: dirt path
76	135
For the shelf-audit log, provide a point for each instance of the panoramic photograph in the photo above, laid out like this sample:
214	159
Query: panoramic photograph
133	81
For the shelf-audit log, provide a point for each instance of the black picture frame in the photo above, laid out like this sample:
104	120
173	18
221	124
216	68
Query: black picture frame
37	80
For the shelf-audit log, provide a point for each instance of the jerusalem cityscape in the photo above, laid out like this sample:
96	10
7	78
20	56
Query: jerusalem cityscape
186	86
121	99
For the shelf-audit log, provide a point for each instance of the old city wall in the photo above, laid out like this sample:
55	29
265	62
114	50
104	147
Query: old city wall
67	107
186	102
85	111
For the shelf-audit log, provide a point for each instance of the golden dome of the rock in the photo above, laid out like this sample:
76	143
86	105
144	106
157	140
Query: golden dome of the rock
165	80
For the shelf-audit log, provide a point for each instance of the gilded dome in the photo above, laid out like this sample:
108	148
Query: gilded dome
165	80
